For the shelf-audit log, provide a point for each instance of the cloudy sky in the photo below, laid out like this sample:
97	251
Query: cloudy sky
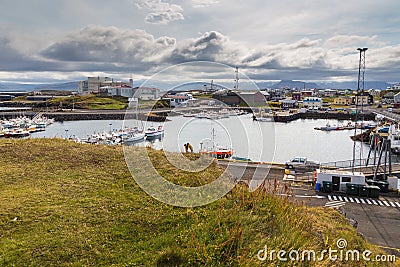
312	40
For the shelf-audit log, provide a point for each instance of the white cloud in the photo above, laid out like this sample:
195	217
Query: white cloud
204	3
160	12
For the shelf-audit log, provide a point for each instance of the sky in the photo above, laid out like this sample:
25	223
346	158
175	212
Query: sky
309	40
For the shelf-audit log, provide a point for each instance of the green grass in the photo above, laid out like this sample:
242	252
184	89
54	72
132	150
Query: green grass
67	204
90	102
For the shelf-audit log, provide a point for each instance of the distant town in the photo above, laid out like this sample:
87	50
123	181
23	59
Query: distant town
121	92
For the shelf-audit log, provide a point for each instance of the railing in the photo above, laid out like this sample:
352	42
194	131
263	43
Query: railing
358	163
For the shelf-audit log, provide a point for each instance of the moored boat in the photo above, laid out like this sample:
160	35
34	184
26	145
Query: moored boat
153	133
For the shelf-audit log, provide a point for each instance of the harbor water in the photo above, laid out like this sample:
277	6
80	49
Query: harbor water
259	141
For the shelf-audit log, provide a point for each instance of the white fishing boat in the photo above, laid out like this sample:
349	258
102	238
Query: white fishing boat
16	133
154	133
134	136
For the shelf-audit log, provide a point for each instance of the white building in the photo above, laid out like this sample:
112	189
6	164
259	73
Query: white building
93	85
397	98
146	93
340	179
312	102
396	87
289	103
142	93
179	99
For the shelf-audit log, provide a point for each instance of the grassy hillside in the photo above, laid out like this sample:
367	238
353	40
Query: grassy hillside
90	102
65	204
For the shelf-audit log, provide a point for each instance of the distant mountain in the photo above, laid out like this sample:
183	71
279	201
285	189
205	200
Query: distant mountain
295	84
324	85
26	87
353	85
265	85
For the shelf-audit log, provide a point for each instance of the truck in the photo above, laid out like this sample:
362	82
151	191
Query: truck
302	163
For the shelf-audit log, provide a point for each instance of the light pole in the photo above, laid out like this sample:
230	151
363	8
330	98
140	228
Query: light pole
110	126
66	133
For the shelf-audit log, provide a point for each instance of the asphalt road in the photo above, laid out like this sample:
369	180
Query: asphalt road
379	223
378	220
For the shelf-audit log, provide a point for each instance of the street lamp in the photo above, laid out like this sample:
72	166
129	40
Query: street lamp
110	126
66	133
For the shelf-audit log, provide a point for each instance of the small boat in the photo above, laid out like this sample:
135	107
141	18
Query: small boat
202	115
261	119
219	152
17	133
134	137
216	151
328	127
153	133
189	115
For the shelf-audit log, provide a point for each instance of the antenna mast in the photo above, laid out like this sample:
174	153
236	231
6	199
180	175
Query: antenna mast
359	104
237	79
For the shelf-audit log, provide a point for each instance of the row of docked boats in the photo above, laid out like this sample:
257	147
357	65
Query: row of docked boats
125	136
23	126
349	126
215	115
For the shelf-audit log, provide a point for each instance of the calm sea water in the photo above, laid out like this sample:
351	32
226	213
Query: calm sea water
259	141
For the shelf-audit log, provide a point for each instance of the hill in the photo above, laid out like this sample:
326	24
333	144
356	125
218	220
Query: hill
67	204
27	87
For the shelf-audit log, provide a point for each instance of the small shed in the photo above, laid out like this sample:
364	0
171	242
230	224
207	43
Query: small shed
340	179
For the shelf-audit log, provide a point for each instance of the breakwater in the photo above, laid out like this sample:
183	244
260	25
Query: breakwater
96	115
323	115
161	115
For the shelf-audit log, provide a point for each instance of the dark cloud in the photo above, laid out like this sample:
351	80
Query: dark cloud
112	50
109	44
209	47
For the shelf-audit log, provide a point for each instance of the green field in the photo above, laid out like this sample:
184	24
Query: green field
68	204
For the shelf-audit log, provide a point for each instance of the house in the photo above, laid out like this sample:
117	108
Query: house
296	96
395	87
307	93
363	98
396	98
374	92
330	93
312	102
178	99
342	100
277	94
388	98
289	103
